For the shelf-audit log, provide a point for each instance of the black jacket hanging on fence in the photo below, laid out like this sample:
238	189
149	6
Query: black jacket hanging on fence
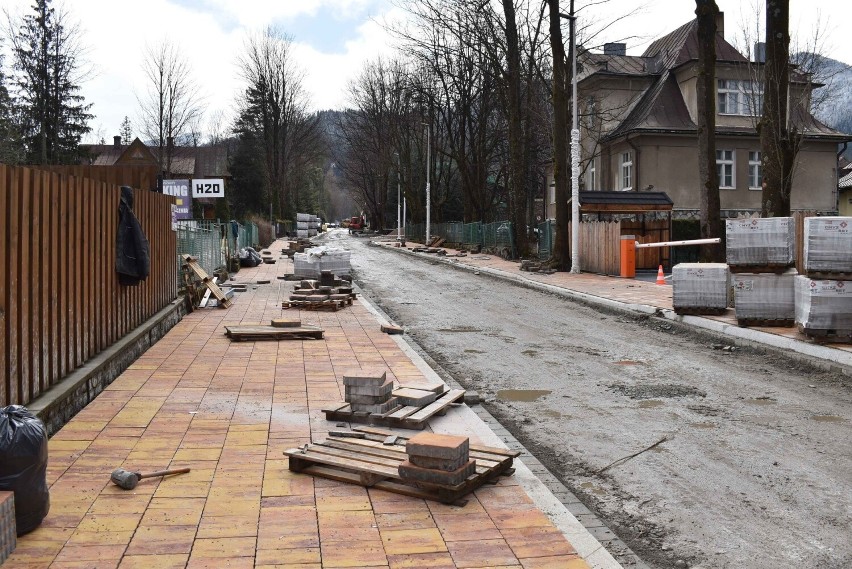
132	256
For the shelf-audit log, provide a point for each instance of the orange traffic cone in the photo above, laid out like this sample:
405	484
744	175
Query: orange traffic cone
661	279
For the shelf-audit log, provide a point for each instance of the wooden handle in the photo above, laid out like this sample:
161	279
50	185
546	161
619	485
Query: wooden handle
164	473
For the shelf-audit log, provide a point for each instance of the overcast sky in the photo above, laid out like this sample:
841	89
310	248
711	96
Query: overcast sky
332	39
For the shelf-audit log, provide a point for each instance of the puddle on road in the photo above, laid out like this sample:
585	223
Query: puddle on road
530	353
761	401
523	395
628	363
828	419
469	351
593	488
650	403
551	413
459	329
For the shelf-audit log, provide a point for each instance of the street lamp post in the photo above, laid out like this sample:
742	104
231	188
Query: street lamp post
398	199
428	197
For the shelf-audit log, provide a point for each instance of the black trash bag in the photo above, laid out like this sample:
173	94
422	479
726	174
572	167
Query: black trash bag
23	465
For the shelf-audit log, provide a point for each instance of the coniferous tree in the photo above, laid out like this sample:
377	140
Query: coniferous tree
126	131
11	150
47	64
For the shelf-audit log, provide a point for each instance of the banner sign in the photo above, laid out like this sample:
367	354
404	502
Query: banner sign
180	190
208	188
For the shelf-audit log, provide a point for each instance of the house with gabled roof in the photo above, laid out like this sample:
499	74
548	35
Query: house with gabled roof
639	133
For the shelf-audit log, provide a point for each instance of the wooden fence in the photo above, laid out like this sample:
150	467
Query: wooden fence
139	177
600	247
60	301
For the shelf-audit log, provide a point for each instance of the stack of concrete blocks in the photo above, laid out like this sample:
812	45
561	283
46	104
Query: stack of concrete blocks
303	225
824	293
700	287
761	253
369	391
437	459
314	261
310	290
768	297
314	225
8	532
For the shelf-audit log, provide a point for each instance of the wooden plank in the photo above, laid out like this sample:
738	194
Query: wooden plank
332	460
53	265
336	407
405	412
37	381
487	459
76	283
5	173
13	290
438	405
25	284
383	433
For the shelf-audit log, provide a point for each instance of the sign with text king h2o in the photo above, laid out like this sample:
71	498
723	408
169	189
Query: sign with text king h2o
180	190
208	188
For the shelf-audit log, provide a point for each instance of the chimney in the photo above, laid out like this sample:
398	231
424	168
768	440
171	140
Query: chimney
615	49
116	141
759	52
720	25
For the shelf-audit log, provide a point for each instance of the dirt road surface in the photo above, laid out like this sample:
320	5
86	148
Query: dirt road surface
755	464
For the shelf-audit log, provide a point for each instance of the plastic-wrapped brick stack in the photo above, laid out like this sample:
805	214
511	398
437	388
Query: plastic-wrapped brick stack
823	296
313	226
312	262
760	253
700	288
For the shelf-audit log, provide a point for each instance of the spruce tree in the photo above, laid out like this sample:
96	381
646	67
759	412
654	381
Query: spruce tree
47	66
10	140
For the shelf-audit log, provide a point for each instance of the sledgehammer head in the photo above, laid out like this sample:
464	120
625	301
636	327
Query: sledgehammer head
124	478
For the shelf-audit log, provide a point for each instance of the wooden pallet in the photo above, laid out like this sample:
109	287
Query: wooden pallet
826	336
827	276
368	462
192	263
330	305
765	268
403	417
699	311
767	322
251	333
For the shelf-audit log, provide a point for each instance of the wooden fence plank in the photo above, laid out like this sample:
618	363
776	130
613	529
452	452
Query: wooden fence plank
34	269
4	275
53	336
26	285
13	215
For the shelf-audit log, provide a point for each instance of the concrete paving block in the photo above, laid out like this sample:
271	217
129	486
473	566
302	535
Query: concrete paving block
365	377
316	297
434	445
384	389
380	409
445	464
409	471
367	399
414	397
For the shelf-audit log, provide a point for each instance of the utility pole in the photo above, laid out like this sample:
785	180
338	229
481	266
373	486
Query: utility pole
428	197
575	150
398	199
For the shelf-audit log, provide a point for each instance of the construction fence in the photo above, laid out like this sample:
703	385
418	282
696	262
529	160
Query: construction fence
495	236
214	242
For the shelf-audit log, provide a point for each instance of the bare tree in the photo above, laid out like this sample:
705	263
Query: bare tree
709	204
171	101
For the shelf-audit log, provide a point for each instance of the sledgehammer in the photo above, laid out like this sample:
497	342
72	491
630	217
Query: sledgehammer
128	480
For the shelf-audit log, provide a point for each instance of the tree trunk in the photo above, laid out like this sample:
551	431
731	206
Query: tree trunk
559	257
517	184
710	215
776	141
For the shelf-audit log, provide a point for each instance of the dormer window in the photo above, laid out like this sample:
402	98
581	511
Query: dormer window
744	98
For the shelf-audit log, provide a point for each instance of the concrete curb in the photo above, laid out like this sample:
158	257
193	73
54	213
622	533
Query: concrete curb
821	356
589	548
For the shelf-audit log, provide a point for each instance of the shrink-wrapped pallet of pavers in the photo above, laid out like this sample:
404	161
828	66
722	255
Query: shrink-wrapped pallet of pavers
824	307
700	288
765	299
755	243
303	225
828	245
303	217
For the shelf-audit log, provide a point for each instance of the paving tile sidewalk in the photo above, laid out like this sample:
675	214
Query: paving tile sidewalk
228	410
645	296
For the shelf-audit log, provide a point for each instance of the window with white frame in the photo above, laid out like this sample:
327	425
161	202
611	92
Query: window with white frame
590	176
755	171
743	98
725	166
626	171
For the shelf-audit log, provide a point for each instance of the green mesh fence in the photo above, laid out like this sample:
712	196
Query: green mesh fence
493	235
203	240
545	239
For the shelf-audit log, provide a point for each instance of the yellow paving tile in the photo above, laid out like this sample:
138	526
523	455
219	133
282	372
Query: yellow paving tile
224	547
109	522
162	540
408	541
288	557
149	561
421	561
537	542
556	562
227	526
483	553
338	554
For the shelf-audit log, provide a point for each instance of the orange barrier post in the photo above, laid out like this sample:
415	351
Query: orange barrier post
661	278
628	256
